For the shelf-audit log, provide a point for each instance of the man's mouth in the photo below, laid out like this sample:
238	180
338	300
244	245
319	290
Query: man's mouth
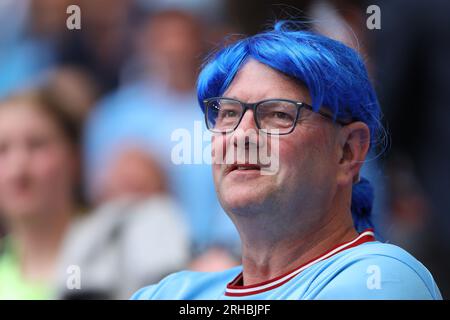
243	167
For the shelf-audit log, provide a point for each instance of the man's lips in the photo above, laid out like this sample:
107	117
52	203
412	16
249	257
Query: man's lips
242	167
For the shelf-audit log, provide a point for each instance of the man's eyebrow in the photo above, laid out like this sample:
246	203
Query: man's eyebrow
259	100
230	97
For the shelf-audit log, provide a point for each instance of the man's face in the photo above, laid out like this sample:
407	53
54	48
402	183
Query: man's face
307	157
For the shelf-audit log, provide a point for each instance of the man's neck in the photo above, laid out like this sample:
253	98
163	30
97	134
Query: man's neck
263	261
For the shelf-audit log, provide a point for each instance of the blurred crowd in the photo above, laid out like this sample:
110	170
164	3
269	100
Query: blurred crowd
87	185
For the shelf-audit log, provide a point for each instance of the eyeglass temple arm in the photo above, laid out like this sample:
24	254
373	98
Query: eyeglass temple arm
325	114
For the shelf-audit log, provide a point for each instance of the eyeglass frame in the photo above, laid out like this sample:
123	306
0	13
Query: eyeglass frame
253	107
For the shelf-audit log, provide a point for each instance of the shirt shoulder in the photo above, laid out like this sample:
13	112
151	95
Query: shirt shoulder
377	270
188	285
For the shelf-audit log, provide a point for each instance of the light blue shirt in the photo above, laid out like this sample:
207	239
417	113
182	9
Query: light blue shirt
360	269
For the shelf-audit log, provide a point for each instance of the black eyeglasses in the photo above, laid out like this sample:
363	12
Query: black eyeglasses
272	116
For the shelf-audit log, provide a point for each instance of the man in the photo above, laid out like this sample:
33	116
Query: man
304	222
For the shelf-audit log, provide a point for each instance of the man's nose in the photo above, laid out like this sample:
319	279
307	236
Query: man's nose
247	131
248	122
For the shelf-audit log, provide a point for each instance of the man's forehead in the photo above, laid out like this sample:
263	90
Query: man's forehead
256	81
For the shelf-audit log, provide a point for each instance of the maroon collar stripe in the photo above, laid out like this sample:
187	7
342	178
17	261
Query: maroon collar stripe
235	290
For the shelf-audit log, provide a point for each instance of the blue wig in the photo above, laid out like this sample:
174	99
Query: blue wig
334	74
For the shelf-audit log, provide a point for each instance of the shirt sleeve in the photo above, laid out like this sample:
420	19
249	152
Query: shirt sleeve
381	277
145	293
168	288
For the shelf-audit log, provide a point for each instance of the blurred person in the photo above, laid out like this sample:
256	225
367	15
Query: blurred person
413	74
342	20
39	175
75	87
135	235
169	47
37	40
22	56
305	224
247	20
345	21
47	20
101	45
202	8
132	172
158	99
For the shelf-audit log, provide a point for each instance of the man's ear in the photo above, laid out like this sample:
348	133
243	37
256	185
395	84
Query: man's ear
354	142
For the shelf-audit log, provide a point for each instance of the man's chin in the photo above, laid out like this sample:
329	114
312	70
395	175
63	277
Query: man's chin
242	198
244	177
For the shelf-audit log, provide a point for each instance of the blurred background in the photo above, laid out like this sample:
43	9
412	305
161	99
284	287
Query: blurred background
87	185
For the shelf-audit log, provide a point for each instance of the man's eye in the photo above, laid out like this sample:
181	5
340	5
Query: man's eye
228	114
281	115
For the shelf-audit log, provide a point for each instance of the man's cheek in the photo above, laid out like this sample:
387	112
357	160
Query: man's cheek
269	155
292	159
218	150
